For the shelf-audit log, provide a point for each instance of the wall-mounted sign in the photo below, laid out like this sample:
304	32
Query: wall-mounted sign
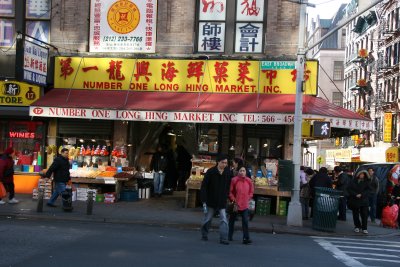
18	94
26	135
387	127
123	26
175	75
35	63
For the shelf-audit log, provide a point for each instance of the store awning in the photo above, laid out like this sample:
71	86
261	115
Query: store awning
192	107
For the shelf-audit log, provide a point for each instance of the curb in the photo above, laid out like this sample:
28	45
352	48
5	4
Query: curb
272	229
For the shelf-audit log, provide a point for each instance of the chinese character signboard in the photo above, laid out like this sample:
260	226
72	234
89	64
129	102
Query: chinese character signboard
35	63
322	129
123	26
387	128
6	32
392	154
7	8
18	94
249	37
175	75
250	10
38	9
211	37
212	10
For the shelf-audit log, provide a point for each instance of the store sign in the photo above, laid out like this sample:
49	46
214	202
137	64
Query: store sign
387	127
35	63
339	155
123	26
165	116
174	75
392	154
26	135
379	154
18	93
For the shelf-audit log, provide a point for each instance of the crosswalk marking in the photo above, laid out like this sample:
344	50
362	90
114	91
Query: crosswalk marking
356	252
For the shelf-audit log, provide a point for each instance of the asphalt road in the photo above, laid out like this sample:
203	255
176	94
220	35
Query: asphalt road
49	243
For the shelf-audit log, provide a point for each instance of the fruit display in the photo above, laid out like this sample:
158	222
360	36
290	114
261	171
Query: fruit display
262	181
107	174
123	175
84	173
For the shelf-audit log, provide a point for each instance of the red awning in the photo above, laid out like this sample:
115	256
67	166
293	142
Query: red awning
279	106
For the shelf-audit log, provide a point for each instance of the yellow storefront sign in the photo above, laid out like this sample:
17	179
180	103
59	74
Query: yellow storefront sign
339	155
176	75
387	127
392	154
18	93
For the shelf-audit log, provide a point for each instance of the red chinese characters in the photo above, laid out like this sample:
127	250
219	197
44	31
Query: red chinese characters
115	70
168	71
270	75
243	71
250	9
195	69
220	71
66	68
307	73
142	70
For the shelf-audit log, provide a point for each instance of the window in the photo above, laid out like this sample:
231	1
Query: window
337	98
338	70
7	23
343	39
26	138
215	23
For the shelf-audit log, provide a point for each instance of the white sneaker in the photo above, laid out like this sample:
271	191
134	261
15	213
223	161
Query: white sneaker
365	232
356	230
13	201
2	202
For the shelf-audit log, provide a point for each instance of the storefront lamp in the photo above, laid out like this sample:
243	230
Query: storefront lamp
81	140
232	148
93	140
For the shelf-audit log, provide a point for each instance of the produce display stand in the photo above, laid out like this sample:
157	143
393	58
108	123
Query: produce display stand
117	182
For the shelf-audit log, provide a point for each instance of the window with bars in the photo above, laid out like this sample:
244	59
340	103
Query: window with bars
338	70
217	19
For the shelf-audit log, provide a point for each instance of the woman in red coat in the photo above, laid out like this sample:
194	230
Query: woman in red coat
241	191
7	174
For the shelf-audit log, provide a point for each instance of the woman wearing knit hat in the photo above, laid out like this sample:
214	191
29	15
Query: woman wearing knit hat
7	174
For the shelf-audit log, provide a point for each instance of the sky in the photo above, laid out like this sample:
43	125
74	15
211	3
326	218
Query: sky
325	8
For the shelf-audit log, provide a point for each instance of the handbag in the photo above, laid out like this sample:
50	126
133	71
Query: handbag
3	191
231	207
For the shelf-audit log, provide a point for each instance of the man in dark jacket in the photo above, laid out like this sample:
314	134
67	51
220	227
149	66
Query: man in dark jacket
214	194
7	174
159	166
374	183
61	176
321	179
341	181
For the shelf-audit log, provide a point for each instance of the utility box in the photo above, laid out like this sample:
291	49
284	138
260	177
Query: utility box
286	175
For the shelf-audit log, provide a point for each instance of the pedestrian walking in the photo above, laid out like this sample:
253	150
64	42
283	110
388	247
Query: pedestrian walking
214	194
61	176
305	192
159	165
358	192
240	193
7	175
341	181
372	199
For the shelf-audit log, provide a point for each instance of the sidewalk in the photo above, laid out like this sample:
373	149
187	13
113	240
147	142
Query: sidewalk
169	211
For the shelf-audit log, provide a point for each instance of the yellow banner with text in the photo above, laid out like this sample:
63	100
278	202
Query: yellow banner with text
13	93
177	75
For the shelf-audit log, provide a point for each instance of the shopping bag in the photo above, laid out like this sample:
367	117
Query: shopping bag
389	216
231	207
3	192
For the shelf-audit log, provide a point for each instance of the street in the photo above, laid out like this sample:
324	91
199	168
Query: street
52	243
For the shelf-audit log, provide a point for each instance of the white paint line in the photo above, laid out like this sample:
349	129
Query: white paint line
354	239
373	259
381	249
340	255
373	254
366	244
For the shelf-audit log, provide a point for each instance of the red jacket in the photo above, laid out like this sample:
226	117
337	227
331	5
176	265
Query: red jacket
6	162
241	191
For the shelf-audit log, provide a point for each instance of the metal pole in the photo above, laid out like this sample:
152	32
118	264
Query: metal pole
294	217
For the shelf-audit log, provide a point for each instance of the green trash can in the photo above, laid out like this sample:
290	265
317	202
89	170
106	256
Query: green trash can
325	209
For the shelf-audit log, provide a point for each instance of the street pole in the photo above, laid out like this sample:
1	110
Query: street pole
294	217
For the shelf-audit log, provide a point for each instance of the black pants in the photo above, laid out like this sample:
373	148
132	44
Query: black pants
342	208
363	212
10	189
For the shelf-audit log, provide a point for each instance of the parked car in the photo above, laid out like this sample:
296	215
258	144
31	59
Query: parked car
388	175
